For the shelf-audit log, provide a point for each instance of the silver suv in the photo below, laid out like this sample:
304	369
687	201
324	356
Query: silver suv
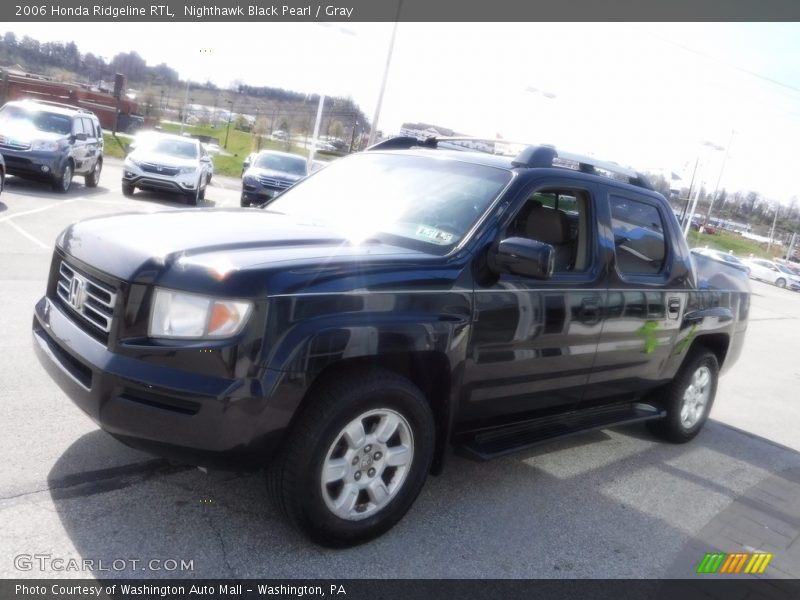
167	163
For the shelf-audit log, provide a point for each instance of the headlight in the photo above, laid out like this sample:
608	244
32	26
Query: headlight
131	160
44	146
184	170
181	315
250	180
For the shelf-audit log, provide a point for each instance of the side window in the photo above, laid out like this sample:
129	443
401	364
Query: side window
77	126
88	127
638	236
559	217
98	130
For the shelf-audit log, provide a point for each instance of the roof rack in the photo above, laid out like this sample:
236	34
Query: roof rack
532	156
59	104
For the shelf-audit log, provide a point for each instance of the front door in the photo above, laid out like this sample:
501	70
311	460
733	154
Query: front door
533	342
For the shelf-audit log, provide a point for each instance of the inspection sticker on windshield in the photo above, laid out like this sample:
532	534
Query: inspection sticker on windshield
437	235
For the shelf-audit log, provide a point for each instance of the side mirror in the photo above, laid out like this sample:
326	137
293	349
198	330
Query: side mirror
521	256
205	159
79	136
246	164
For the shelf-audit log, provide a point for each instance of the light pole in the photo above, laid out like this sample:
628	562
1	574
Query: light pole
316	132
721	171
374	129
185	103
230	118
688	222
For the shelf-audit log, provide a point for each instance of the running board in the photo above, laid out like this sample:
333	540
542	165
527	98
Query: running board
499	441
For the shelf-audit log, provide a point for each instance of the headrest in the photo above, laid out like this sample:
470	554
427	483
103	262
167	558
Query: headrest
547	225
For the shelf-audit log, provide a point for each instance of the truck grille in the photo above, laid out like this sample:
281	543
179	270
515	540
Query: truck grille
92	300
9	144
160	169
274	183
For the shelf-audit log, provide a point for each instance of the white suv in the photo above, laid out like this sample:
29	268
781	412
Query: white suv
773	273
167	163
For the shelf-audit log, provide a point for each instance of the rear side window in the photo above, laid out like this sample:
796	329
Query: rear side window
638	237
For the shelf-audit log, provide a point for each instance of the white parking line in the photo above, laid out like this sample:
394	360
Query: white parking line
36	210
35	240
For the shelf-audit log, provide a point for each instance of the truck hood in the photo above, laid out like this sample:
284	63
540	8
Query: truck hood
205	248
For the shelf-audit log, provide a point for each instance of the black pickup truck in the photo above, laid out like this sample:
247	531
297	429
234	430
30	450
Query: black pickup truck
399	302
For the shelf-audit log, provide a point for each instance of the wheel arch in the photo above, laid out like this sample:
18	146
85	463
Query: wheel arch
430	371
717	343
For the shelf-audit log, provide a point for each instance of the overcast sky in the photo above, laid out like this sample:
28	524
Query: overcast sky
647	95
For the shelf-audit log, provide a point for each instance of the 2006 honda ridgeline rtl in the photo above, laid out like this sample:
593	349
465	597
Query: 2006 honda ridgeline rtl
398	302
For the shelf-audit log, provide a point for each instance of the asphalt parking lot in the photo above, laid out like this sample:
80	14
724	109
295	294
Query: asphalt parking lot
613	503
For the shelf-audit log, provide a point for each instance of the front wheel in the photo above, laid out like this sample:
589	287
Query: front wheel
127	190
688	399
356	459
63	183
781	283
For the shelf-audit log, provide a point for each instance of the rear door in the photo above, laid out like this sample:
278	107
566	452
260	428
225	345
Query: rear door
92	142
645	299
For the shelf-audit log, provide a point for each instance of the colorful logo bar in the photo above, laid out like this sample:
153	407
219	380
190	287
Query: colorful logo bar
739	562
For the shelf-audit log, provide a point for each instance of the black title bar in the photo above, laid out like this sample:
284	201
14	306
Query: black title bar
410	10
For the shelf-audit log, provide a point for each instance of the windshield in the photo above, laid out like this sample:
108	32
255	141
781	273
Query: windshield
427	200
35	119
172	147
278	162
783	269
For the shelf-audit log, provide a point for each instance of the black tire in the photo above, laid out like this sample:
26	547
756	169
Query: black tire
781	282
202	194
63	182
672	427
244	202
127	190
92	179
294	478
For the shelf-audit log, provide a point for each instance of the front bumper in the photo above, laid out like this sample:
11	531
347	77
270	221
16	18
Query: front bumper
258	195
201	419
26	163
185	183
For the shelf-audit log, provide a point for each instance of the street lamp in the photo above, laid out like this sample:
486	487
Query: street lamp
185	102
721	171
688	223
374	129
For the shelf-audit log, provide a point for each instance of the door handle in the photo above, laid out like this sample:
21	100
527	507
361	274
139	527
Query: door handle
590	308
674	307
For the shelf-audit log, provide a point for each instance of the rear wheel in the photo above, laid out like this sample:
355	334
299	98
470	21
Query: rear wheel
688	399
356	459
781	282
63	183
93	178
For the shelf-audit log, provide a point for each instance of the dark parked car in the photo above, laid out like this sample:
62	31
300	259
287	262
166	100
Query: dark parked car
51	142
269	173
394	304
